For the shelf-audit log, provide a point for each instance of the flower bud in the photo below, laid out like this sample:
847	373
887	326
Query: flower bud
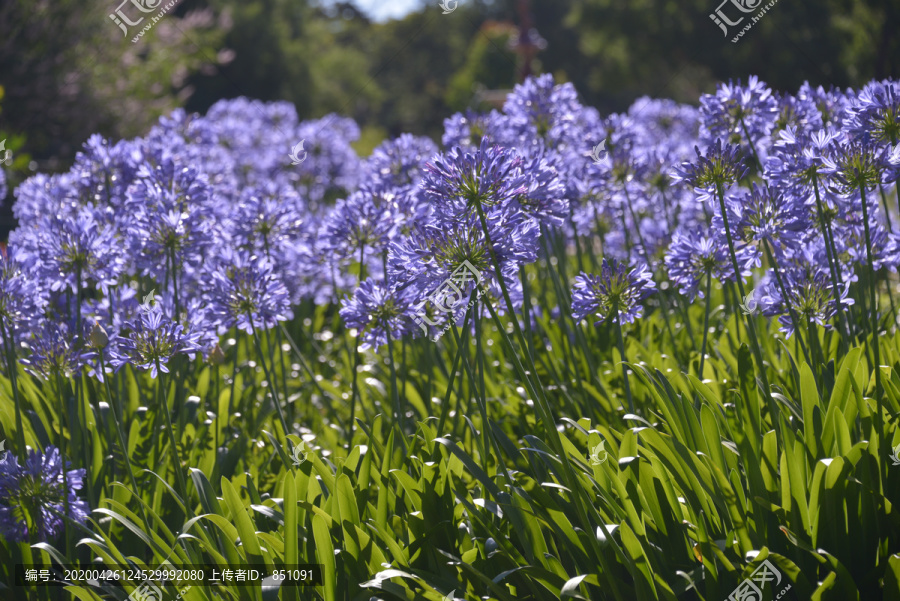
99	337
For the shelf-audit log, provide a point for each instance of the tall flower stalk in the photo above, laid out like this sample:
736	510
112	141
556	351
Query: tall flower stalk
616	294
751	326
719	167
873	306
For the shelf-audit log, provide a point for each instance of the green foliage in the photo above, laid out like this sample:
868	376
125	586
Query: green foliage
482	494
490	63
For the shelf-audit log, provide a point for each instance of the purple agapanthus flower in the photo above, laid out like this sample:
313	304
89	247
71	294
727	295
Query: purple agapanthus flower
22	301
832	104
168	218
55	352
105	170
433	252
490	176
768	215
331	168
692	257
796	158
399	162
810	292
719	166
544	199
41	195
862	163
469	129
617	292
68	251
797	112
875	113
33	496
739	114
268	219
541	110
246	293
376	310
364	222
150	340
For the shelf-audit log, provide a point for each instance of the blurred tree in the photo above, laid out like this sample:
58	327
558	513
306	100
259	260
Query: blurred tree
137	82
490	63
68	72
673	48
414	59
46	86
290	50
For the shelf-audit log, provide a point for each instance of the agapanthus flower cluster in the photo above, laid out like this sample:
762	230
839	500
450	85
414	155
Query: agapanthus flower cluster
246	293
148	254
738	114
238	215
151	340
55	352
617	293
379	311
33	501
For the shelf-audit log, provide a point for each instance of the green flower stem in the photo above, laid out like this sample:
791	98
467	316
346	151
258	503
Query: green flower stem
395	391
617	318
175	283
580	504
234	369
461	342
273	365
395	394
62	455
884	202
526	291
546	415
273	385
302	360
751	328
278	339
78	331
487	433
751	144
831	254
873	312
664	306
566	307
355	389
503	289
705	322
887	216
813	337
176	460
784	295
122	444
576	238
681	303
215	405
478	389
